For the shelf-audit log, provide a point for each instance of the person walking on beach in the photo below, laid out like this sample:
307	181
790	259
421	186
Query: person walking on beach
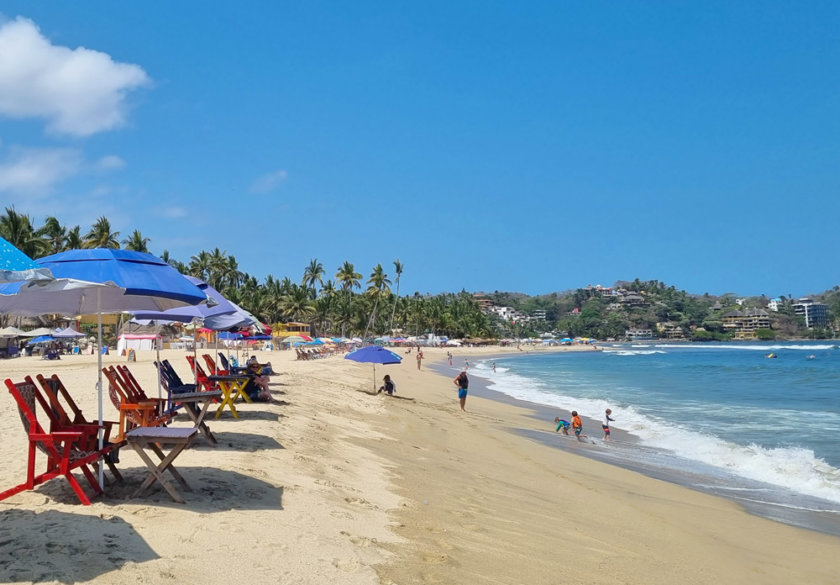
462	382
577	426
419	358
606	424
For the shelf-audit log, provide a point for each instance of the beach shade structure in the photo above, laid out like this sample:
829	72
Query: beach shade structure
66	333
37	332
12	332
98	281
40	339
373	354
15	266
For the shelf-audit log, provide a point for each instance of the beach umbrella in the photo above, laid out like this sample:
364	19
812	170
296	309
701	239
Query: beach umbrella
98	281
374	354
37	332
15	266
40	339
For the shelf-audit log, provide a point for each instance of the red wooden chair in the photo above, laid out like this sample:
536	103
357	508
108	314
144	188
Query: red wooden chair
65	408
66	448
201	375
134	412
211	365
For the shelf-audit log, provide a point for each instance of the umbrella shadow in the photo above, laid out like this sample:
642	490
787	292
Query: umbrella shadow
214	490
259	415
64	547
233	441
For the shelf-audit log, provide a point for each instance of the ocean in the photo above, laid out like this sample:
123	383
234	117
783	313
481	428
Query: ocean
720	418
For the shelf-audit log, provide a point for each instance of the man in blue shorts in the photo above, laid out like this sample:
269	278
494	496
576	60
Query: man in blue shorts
462	382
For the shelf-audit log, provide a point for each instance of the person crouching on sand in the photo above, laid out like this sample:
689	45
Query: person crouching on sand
562	425
388	386
577	426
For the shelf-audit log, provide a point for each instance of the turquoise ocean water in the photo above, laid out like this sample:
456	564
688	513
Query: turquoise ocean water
721	418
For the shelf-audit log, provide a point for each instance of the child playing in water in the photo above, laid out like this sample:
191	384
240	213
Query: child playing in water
562	425
577	426
606	424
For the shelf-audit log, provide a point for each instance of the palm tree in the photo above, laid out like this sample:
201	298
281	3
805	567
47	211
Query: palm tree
137	242
73	241
101	236
55	235
398	270
378	284
312	275
17	229
200	265
348	277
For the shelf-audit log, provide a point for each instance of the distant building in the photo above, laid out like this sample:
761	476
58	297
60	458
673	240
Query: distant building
670	330
633	300
743	324
483	302
816	314
635	334
775	304
538	315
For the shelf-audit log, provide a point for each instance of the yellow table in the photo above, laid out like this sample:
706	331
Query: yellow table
232	387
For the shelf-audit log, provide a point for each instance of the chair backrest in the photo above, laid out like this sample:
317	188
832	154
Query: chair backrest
224	360
24	394
211	365
55	392
174	378
131	383
194	365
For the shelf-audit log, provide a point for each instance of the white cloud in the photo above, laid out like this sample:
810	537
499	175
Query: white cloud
78	91
173	212
36	171
110	162
268	182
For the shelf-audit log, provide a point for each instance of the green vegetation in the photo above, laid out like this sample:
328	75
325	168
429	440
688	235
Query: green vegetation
350	304
332	307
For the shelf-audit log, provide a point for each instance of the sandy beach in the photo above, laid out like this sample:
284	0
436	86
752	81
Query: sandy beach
332	483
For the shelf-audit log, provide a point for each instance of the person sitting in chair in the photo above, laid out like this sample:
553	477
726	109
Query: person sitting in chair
257	386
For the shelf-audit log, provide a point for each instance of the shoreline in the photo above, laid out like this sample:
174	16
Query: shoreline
693	475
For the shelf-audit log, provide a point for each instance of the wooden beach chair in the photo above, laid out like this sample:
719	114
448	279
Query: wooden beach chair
66	447
133	411
65	408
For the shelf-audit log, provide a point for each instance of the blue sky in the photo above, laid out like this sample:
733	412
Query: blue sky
530	147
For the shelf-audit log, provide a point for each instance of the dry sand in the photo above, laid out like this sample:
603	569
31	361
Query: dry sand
334	484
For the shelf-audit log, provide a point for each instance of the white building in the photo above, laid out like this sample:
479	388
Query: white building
774	305
816	314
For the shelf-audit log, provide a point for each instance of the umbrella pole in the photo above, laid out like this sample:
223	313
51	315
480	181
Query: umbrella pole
99	382
195	353
374	378
157	350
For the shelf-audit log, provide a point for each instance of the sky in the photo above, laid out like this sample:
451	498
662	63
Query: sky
531	147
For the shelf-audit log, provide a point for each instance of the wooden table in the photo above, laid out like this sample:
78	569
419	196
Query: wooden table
152	438
232	387
190	401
